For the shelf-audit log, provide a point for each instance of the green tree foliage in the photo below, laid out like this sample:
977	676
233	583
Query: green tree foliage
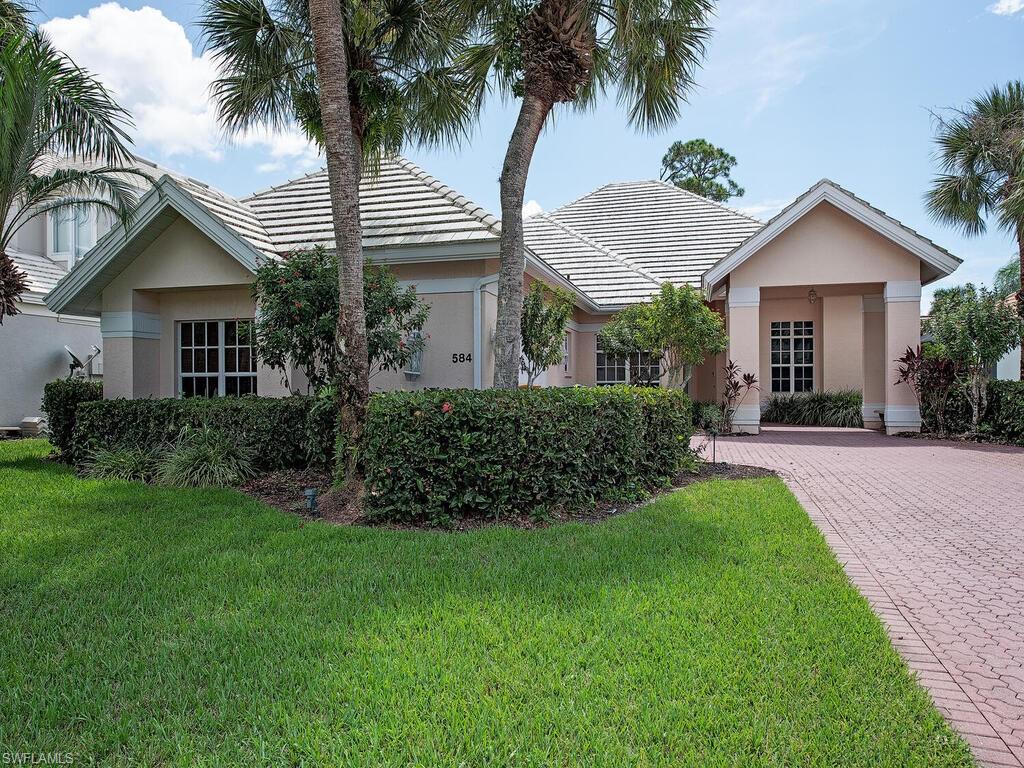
546	313
49	106
700	167
298	313
1007	279
981	156
404	83
676	326
974	328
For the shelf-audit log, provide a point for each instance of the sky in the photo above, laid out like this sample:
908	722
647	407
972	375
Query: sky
797	90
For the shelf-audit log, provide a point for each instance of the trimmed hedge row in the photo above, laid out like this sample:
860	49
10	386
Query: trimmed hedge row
61	398
282	433
436	455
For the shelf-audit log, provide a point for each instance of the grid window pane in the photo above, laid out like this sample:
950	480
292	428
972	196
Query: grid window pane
203	347
792	356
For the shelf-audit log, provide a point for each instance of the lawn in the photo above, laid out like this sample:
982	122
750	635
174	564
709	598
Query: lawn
713	627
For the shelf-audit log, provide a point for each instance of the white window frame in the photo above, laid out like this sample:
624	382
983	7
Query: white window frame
791	334
627	365
75	252
567	353
222	375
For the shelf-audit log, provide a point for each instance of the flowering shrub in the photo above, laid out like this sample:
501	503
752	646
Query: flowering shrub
437	455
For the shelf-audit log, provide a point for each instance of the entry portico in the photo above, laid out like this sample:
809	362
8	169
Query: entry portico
827	296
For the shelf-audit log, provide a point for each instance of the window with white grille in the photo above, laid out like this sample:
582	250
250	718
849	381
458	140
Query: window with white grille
792	356
215	358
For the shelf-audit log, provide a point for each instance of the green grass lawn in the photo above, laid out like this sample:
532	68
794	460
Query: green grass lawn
157	626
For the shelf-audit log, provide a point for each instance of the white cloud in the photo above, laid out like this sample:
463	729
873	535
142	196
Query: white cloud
765	209
532	208
762	50
1006	7
151	68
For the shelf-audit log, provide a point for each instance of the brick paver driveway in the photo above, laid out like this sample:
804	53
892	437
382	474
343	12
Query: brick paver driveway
933	535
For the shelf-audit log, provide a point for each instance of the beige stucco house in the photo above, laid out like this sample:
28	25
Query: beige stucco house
824	296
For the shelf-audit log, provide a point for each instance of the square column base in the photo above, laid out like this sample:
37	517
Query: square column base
747	419
902	418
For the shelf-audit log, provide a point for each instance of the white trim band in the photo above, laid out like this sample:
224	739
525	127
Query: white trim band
872	304
902	290
741	296
130	325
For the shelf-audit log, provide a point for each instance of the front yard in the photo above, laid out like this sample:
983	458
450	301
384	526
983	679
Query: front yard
146	625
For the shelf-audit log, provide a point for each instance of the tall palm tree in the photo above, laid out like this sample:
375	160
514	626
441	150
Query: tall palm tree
362	78
981	157
548	52
49	107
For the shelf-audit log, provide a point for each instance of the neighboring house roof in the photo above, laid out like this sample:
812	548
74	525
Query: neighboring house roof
400	205
42	274
656	229
939	259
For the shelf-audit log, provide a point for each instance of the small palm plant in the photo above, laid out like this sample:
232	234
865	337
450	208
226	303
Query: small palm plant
50	107
548	52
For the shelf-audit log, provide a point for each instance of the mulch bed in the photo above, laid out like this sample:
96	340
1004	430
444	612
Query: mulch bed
284	490
968	437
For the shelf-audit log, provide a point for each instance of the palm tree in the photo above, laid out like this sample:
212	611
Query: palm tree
362	78
981	156
49	107
548	52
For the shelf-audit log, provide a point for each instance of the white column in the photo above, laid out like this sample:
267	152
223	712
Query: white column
873	360
902	330
743	309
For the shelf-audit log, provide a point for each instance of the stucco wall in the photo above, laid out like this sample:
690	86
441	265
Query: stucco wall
32	353
827	247
447	359
842	351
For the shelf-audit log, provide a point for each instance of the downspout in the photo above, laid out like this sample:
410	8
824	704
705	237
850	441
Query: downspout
478	340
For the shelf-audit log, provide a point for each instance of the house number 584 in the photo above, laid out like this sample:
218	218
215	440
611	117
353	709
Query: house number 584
462	357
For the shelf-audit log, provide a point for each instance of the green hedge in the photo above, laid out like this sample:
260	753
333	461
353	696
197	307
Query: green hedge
839	408
282	433
1006	409
60	402
436	455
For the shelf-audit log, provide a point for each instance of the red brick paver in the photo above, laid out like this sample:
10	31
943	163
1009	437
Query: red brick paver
932	533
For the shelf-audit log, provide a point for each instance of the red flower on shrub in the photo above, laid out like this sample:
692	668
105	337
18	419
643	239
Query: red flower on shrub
447	408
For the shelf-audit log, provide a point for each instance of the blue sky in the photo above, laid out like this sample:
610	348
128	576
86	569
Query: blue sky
796	89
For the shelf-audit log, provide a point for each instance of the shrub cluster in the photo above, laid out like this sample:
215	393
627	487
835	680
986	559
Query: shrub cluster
841	408
1006	409
60	403
437	455
278	433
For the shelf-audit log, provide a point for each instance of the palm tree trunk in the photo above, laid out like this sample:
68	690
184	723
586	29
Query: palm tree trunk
507	341
344	167
1020	294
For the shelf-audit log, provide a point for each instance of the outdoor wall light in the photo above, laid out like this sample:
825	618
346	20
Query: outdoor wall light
812	296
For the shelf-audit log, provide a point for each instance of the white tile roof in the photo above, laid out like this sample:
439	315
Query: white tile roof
657	229
400	205
603	277
42	274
